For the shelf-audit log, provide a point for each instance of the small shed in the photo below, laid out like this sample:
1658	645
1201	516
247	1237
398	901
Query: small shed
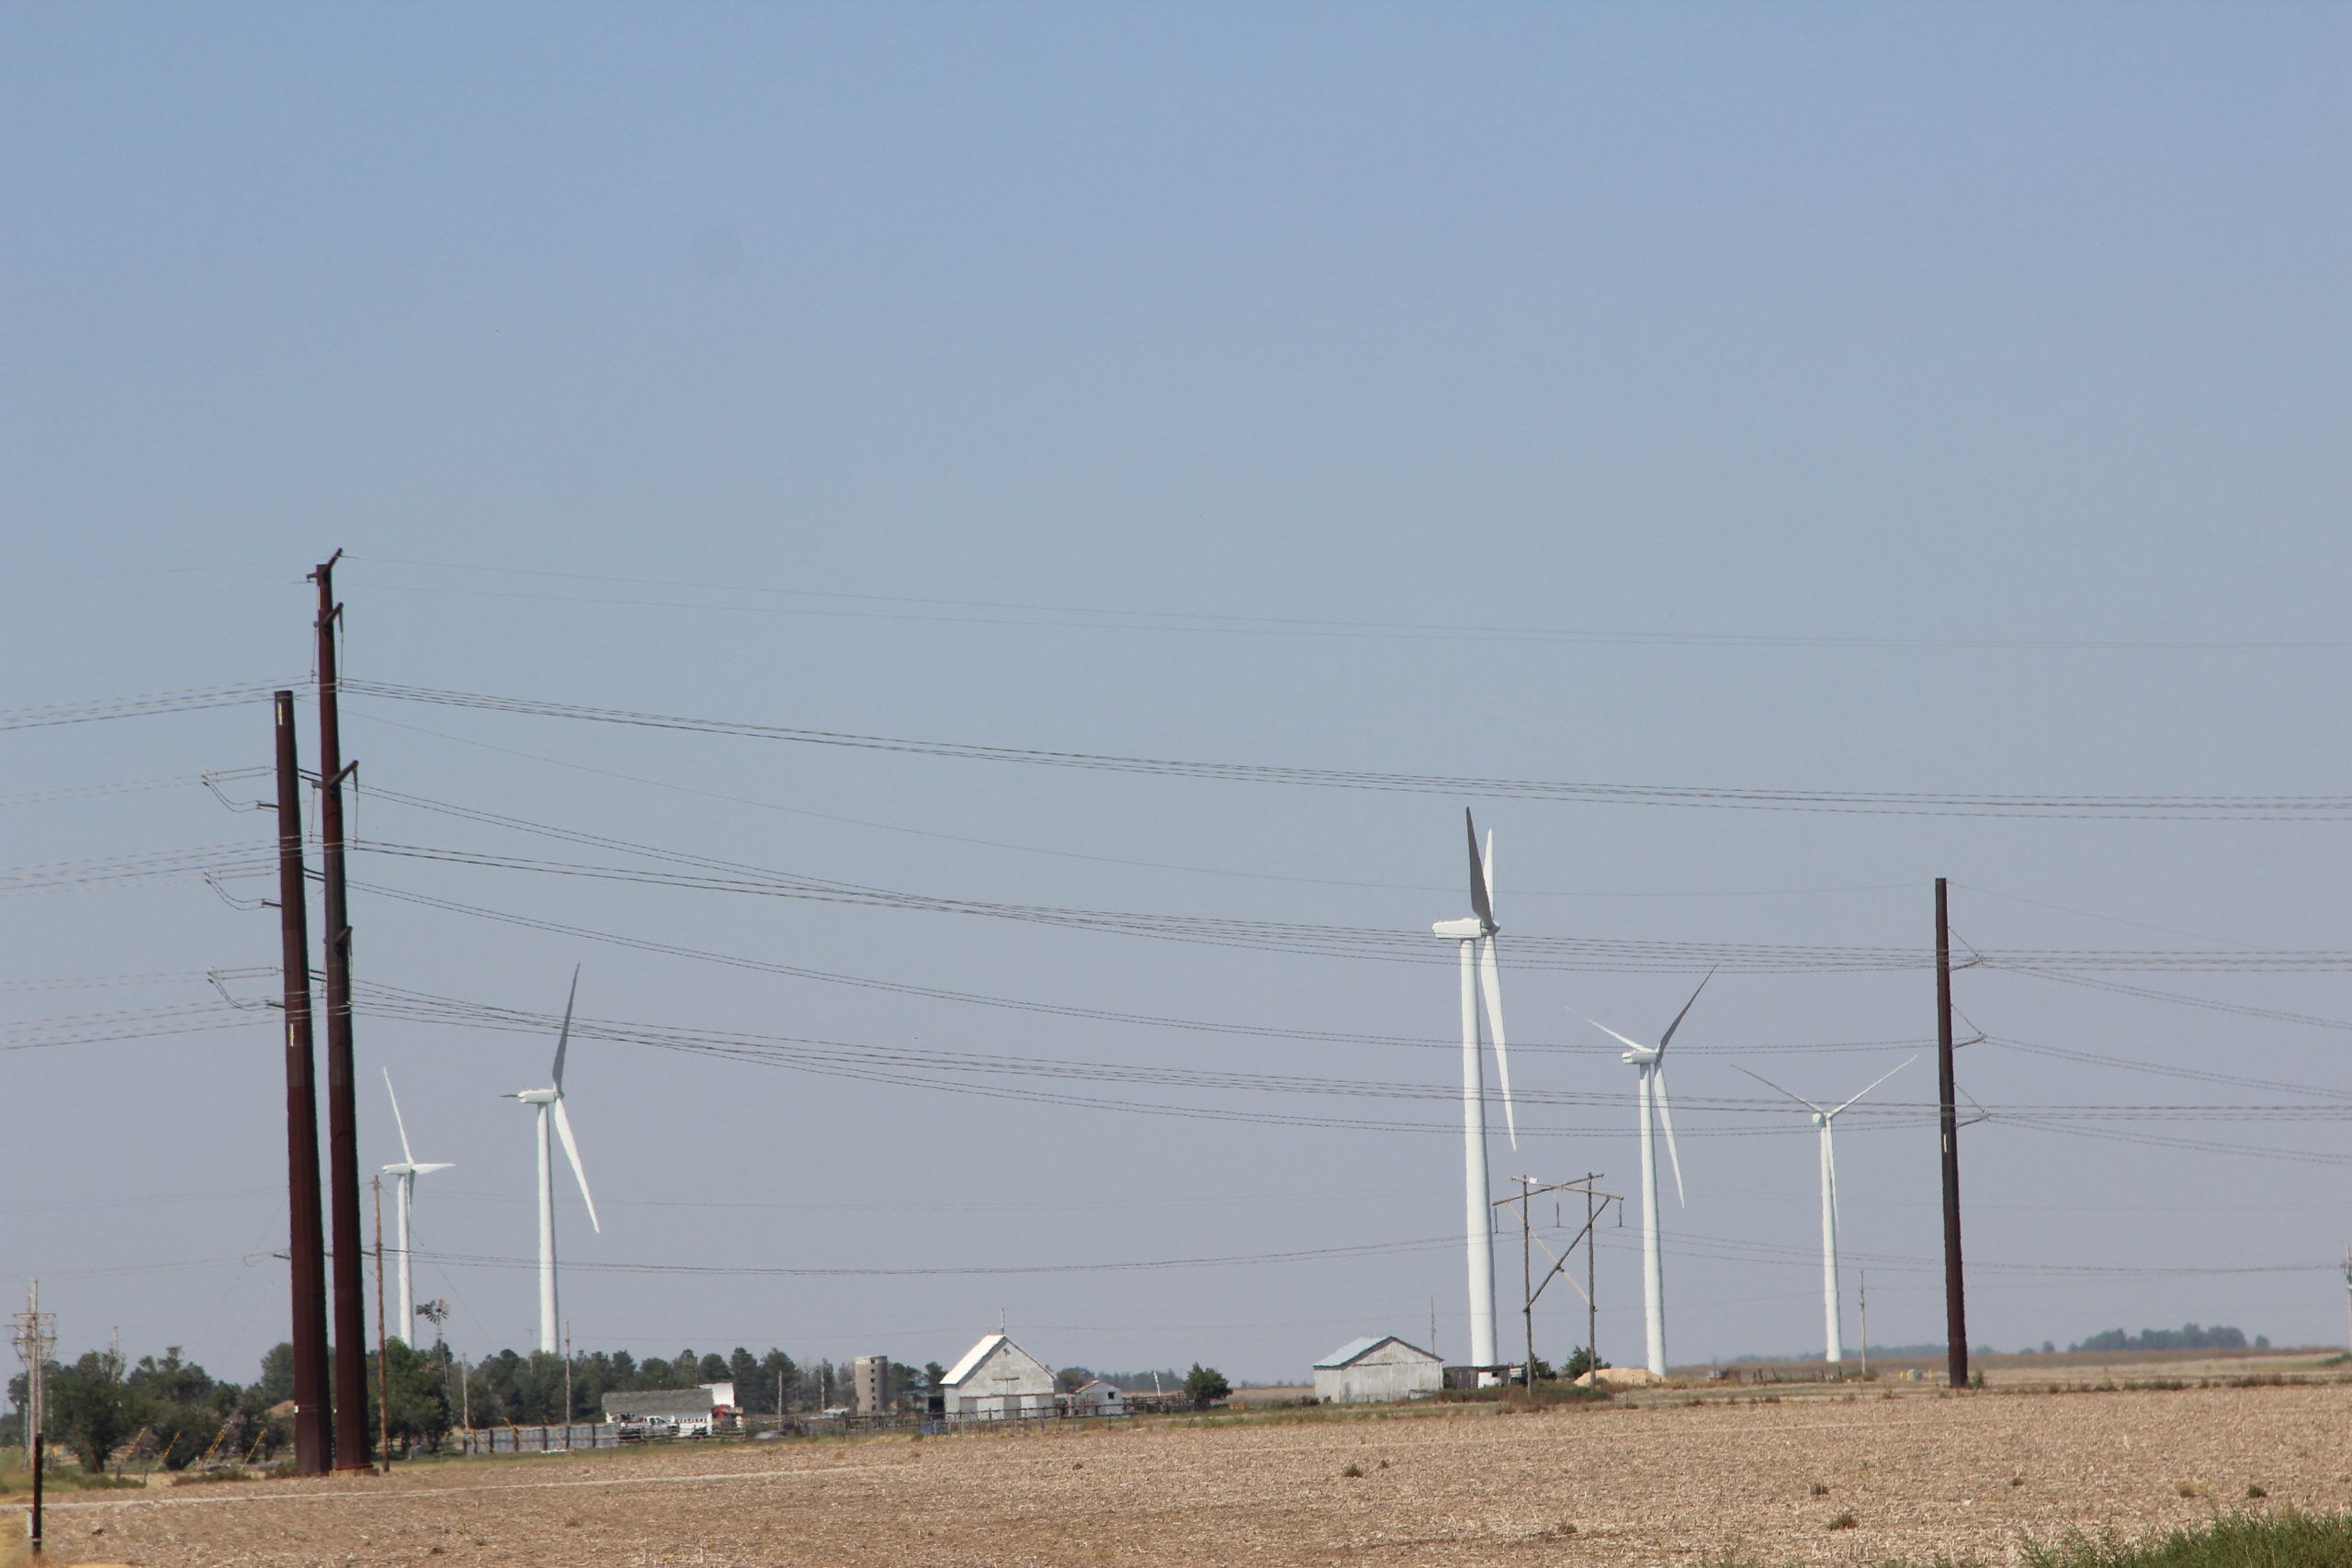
690	1410
997	1381
1377	1370
1095	1397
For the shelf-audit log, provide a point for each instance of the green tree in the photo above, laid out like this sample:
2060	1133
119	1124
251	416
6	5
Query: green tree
90	1408
1205	1386
653	1372
934	1374
276	1384
1579	1362
745	1371
417	1381
712	1368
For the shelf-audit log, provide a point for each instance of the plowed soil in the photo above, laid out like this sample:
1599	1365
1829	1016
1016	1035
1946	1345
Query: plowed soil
1922	1473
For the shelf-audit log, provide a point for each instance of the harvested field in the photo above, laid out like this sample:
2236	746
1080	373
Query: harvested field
1922	1473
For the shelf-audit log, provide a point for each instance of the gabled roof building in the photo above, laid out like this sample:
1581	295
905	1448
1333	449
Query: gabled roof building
1377	1370
997	1381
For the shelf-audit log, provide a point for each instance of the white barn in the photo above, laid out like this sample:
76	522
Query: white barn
1095	1397
997	1381
1377	1370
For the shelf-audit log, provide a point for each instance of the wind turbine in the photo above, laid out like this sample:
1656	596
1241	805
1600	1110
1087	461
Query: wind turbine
405	1194
1649	1065
1822	1119
550	1100
1480	975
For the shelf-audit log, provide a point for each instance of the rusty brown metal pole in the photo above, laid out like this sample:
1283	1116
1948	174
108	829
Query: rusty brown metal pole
306	1248
343	1112
1955	1289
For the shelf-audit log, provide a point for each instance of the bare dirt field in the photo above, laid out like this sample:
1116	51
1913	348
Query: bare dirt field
1660	1479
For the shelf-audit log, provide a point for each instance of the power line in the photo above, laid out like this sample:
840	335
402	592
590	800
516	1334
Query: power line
139	705
1099	618
2120	807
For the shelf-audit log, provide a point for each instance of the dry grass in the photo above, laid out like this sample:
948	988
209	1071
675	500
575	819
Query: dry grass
1922	1477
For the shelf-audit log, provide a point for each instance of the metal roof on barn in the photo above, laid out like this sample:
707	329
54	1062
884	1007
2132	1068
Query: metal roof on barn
1356	1349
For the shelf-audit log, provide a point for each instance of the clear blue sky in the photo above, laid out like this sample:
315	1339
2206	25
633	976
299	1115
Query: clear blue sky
1065	377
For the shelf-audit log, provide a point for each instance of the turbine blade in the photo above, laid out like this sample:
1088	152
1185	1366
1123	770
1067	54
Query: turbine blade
1880	1079
572	1149
1665	1120
1629	1045
564	1038
1490	984
405	1153
1768	1083
1683	1014
437	1165
1480	904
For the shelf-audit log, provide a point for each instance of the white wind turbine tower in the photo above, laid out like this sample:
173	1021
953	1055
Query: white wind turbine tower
405	1194
1480	974
1823	1119
1649	1065
550	1100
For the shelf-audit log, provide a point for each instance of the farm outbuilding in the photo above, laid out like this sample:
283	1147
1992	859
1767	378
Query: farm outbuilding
1377	1370
1095	1397
997	1381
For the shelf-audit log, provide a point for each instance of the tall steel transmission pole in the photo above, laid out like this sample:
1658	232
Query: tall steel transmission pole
306	1248
1955	1288
343	1110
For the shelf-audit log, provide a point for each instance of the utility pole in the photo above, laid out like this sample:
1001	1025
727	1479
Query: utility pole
1862	1296
306	1248
1955	1286
35	1333
1531	1288
1591	1295
342	1109
2347	1296
383	1350
1526	1278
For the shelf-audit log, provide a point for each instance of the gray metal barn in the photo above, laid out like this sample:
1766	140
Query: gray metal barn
1377	1371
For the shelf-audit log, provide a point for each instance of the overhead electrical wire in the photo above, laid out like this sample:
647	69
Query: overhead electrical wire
140	706
799	1049
700	792
1101	617
1528	952
2120	807
1057	1009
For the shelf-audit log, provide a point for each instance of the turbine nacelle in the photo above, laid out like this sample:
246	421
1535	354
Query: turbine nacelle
1468	929
536	1096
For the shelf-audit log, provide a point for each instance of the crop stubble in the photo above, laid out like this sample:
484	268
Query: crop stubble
1657	1484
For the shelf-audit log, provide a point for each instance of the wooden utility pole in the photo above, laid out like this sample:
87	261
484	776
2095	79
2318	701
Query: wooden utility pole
306	1248
342	1110
1531	1288
1955	1289
1862	1296
383	1349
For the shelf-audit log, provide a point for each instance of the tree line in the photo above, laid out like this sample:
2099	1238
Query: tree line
169	1412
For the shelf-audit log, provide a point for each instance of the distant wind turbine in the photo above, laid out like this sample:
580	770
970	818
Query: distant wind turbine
550	1100
1480	975
404	1194
1649	1065
1822	1119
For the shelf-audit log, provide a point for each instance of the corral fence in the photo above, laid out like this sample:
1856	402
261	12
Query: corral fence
556	1438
